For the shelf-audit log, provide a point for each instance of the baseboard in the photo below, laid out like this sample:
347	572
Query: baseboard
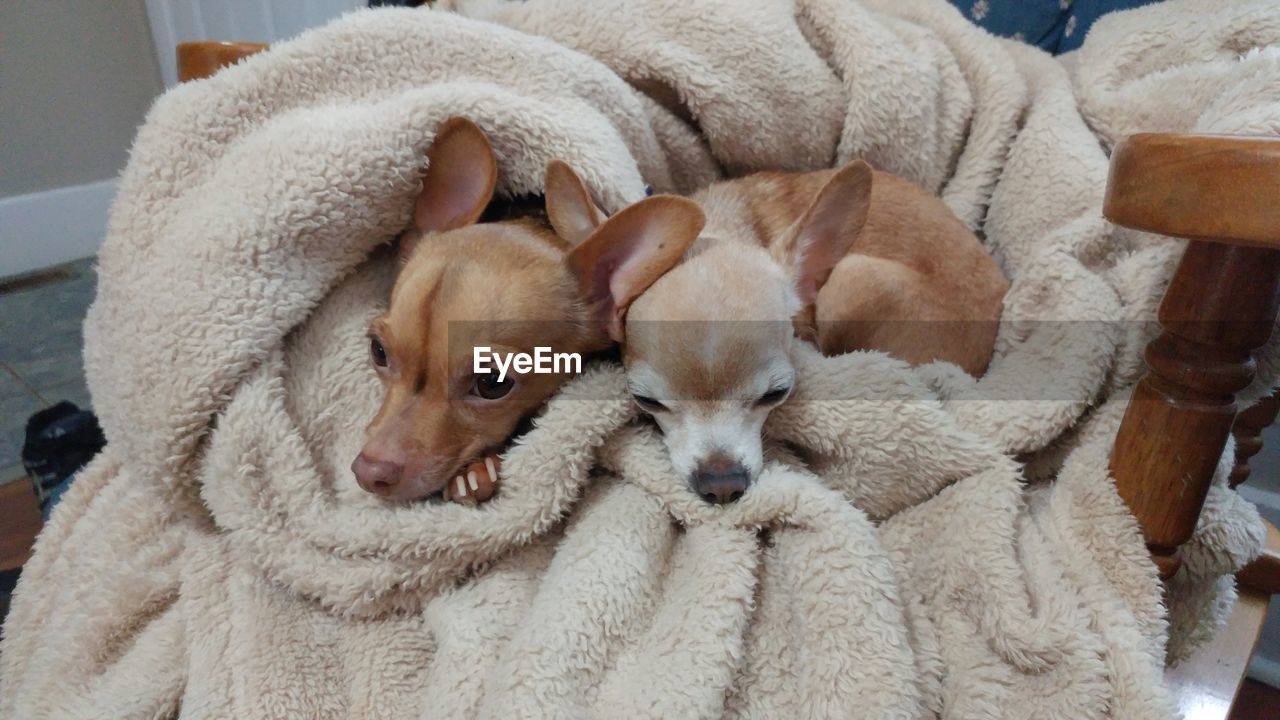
1265	665
1265	670
48	228
1267	500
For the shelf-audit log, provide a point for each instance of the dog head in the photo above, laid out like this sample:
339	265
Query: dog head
511	287
708	347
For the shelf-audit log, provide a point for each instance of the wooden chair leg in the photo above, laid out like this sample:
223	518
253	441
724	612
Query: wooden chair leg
1177	423
1248	431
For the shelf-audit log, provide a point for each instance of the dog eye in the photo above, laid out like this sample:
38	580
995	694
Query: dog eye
773	397
377	352
490	387
648	404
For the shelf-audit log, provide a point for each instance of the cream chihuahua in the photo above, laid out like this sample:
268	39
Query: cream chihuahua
511	286
849	258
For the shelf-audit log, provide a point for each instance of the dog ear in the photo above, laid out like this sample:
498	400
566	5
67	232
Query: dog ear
826	231
629	251
569	206
462	173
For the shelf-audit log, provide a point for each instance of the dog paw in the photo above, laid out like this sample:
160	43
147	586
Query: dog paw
477	483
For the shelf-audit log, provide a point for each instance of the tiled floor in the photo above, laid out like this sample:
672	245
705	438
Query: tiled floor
41	346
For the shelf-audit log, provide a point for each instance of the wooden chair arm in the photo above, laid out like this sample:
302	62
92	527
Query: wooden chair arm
202	58
1220	306
1219	188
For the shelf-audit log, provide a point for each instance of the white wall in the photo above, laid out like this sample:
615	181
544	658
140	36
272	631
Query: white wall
78	77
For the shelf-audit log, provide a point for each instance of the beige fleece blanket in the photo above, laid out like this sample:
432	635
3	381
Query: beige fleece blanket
218	560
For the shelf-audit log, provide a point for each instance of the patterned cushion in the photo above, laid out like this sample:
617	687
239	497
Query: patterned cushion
1053	25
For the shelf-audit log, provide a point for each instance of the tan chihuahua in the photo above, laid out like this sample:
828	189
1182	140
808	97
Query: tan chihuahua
510	286
852	259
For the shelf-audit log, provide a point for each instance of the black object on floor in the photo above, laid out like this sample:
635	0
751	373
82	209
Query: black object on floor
8	580
60	440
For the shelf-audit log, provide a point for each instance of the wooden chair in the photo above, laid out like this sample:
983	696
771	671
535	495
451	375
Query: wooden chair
1220	306
1220	193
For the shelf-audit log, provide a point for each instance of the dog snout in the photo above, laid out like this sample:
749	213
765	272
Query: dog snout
380	477
720	480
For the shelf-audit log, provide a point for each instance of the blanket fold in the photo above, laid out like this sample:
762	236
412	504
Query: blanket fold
920	544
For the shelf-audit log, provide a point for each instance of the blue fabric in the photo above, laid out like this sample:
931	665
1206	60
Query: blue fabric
1053	25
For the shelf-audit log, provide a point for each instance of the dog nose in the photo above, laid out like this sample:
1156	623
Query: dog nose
720	481
379	477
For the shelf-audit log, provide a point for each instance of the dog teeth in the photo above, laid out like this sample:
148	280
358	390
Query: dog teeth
493	472
462	486
471	480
